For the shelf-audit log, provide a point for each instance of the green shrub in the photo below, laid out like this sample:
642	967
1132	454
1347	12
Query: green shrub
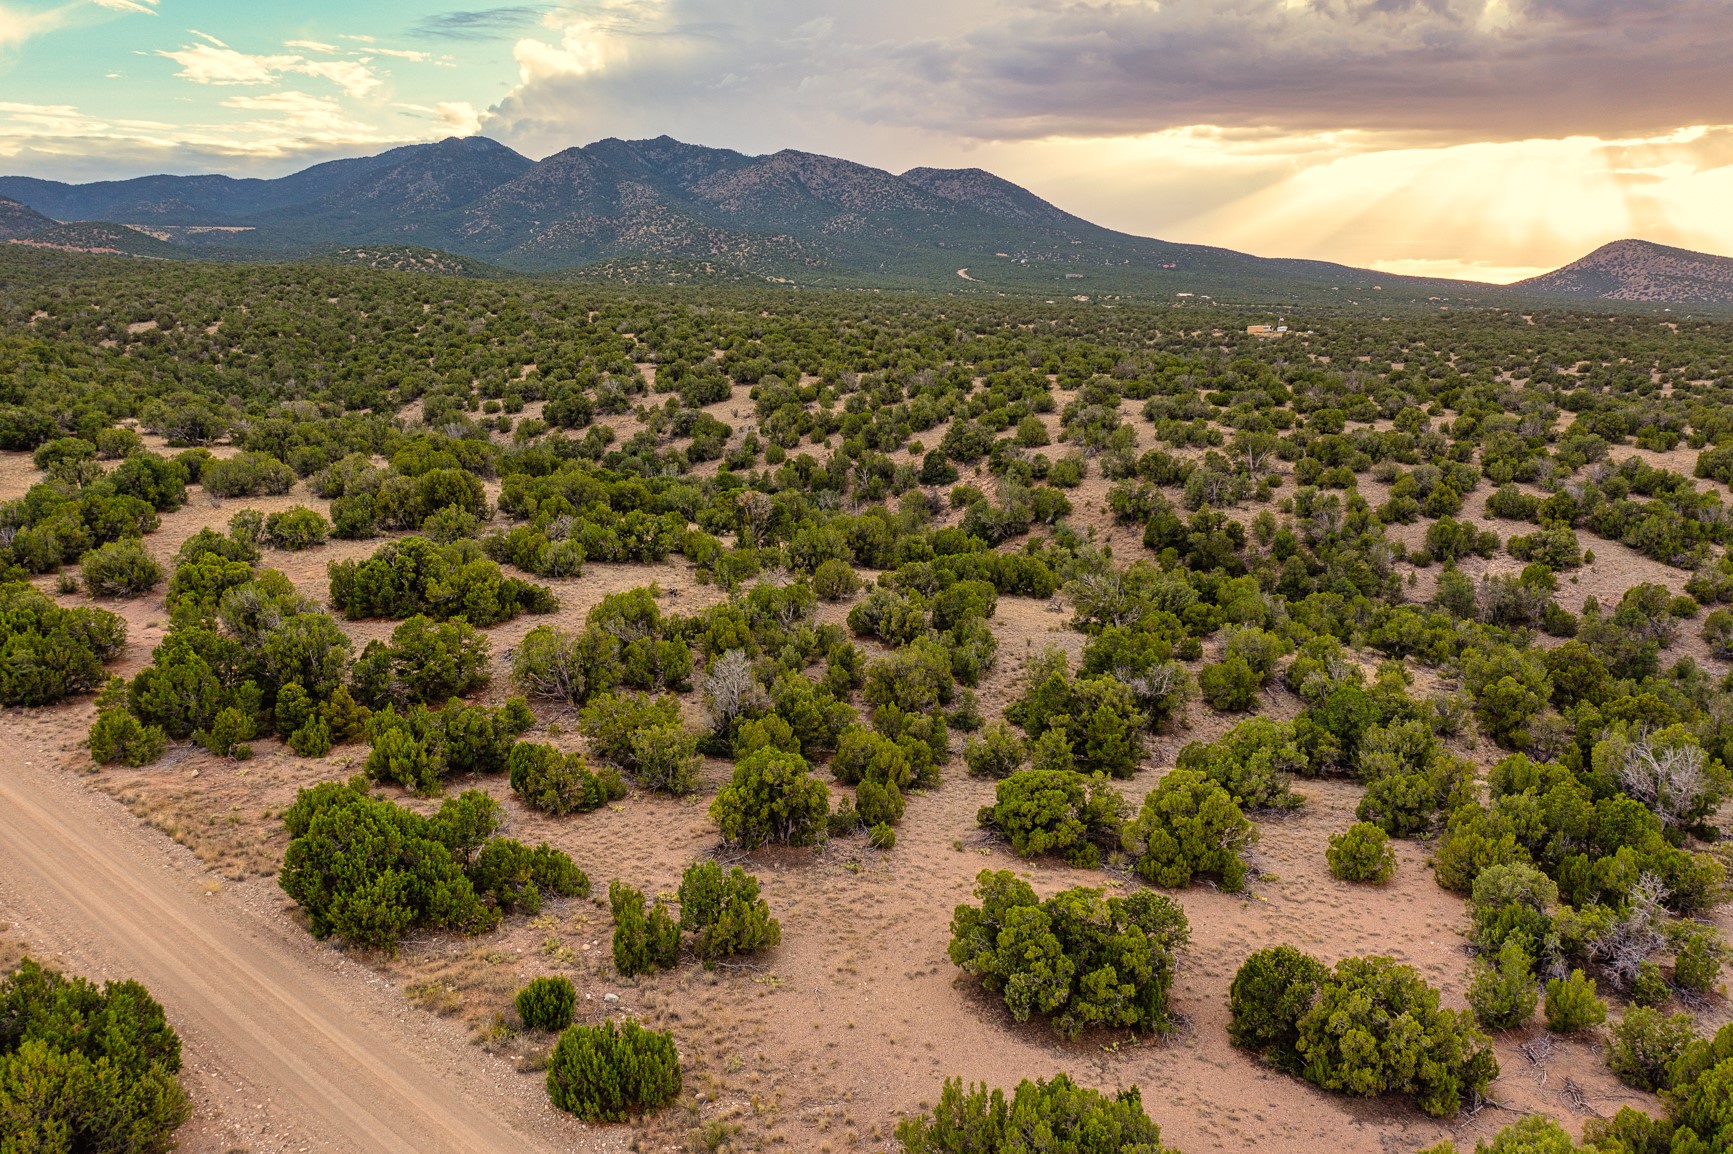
547	1004
643	736
247	475
118	441
560	783
1703	1103
1649	987
1535	1134
312	739
414	576
644	940
1503	994
1057	811
449	524
511	876
723	911
420	747
995	752
1645	1046
607	1074
865	756
230	729
120	569
771	798
1697	958
1081	959
665	758
1571	1004
1188	826
1361	854
1511	900
835	580
371	871
555	665
1057	1115
1370	1026
86	1068
1097	715
1253	761
436	661
882	836
117	737
47	652
1229	686
1270	994
294	529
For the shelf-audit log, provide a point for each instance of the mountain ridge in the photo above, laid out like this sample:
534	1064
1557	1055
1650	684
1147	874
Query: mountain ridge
634	209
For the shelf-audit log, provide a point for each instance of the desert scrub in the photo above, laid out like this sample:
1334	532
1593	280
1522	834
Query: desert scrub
247	475
646	938
120	569
995	752
294	529
1370	1026
1079	959
1645	1046
370	871
772	799
1097	716
1057	811
559	783
117	737
84	1067
1189	826
1361	854
418	577
52	652
1502	991
1052	1115
1254	761
609	1073
724	913
546	1004
642	735
1571	1004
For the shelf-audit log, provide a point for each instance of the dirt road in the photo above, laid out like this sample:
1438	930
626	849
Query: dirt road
312	1062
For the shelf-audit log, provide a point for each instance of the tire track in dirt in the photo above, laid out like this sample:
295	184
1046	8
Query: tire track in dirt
338	1073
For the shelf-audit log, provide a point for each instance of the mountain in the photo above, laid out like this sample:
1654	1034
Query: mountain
340	186
1638	270
661	210
20	219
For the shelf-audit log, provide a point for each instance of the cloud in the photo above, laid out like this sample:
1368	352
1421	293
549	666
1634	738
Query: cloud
213	62
477	24
1033	69
146	6
267	129
19	25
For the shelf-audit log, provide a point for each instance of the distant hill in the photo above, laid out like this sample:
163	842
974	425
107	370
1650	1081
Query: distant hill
664	210
20	219
101	238
1638	270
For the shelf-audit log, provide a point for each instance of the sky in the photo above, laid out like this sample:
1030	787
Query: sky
1489	139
